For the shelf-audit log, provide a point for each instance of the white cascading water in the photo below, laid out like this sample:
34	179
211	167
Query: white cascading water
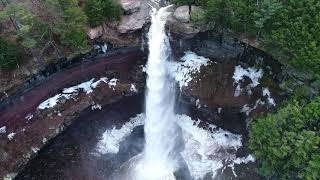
158	161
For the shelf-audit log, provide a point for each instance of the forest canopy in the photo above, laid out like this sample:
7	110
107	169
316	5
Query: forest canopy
289	30
54	25
287	143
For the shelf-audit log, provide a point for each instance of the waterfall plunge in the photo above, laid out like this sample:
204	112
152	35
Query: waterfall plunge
161	132
161	156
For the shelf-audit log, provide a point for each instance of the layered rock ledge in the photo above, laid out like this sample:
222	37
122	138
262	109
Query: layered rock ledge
30	121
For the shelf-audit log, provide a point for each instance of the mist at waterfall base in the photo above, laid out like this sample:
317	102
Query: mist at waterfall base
175	146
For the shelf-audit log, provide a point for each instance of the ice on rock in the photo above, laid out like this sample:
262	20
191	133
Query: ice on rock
3	130
133	88
266	92
71	92
113	83
190	64
11	136
239	73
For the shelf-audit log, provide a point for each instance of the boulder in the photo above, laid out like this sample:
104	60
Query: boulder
130	6
179	23
95	33
113	36
182	14
126	32
135	21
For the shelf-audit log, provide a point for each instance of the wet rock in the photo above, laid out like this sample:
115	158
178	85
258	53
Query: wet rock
3	155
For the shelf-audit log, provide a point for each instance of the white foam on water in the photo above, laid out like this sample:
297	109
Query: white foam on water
111	138
205	151
190	64
240	160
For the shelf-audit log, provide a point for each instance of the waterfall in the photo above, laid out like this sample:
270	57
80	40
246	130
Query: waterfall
161	135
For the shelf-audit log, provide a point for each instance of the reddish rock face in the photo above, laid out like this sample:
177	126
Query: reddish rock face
34	127
215	87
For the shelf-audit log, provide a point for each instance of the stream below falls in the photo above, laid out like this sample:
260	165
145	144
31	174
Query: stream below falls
75	153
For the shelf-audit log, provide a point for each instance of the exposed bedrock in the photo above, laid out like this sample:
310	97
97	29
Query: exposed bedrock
34	117
129	30
237	81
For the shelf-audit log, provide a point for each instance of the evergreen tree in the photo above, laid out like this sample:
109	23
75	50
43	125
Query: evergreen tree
99	11
9	55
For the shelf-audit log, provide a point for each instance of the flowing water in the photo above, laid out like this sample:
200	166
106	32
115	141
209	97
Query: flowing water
160	127
158	160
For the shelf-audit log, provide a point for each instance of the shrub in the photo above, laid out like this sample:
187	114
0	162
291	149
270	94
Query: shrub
100	10
287	143
9	55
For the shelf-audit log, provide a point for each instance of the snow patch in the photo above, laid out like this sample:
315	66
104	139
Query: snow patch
182	71
133	88
11	136
111	138
3	130
252	73
95	84
247	109
96	106
71	92
113	83
35	149
267	93
29	117
198	103
51	102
